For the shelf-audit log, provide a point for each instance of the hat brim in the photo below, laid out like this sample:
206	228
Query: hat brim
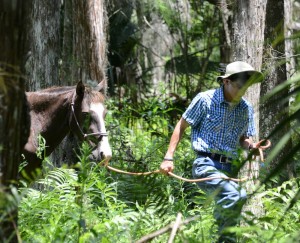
255	77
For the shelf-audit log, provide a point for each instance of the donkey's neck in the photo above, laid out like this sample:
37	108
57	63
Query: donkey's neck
44	99
50	111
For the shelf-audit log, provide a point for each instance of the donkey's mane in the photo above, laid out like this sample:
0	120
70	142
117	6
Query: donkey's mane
56	89
90	94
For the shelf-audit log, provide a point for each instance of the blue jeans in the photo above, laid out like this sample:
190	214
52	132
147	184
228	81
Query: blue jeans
229	196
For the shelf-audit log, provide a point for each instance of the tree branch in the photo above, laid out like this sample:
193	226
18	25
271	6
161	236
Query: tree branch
175	227
165	229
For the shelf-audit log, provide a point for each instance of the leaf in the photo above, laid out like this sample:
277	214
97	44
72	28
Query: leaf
3	89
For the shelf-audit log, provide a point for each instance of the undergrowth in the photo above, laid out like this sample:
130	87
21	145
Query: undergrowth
89	205
93	204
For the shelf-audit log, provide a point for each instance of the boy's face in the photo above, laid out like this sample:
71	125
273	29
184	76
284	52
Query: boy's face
234	90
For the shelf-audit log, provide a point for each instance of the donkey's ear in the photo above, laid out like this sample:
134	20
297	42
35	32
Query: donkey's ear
80	88
101	86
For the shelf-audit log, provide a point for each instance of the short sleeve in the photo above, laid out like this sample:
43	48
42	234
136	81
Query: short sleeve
251	131
196	111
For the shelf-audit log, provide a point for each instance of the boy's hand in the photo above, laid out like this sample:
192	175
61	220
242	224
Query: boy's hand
166	166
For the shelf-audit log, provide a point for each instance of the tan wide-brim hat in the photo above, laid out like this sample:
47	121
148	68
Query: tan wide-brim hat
242	67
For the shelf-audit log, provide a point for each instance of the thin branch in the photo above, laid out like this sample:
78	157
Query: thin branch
165	229
175	228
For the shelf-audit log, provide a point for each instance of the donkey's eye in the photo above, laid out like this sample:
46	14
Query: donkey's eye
94	140
86	119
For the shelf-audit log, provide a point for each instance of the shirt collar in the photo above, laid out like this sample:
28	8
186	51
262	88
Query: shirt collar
221	99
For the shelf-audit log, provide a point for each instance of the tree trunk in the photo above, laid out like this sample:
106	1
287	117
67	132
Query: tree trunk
273	112
290	58
248	38
89	40
289	42
66	40
225	31
14	120
42	43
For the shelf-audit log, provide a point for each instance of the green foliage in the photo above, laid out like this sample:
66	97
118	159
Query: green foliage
72	206
280	223
195	31
87	205
9	202
177	42
96	205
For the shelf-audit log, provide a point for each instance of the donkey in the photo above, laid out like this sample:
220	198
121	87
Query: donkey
56	111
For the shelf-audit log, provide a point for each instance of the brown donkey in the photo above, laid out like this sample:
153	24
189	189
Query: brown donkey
56	111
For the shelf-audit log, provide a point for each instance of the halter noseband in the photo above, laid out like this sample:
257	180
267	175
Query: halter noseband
85	135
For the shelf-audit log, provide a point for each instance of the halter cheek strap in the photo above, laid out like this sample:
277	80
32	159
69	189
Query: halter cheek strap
85	135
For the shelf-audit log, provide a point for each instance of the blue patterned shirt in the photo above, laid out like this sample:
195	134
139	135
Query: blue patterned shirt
218	125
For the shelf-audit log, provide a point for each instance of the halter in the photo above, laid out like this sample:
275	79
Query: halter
85	135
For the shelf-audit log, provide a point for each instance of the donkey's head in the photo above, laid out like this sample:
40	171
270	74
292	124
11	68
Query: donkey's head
87	120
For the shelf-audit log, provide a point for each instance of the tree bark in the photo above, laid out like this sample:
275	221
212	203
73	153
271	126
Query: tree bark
290	58
274	111
14	118
89	40
42	43
247	44
289	42
65	42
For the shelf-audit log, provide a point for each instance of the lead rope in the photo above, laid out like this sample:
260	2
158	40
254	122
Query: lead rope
260	148
174	175
261	154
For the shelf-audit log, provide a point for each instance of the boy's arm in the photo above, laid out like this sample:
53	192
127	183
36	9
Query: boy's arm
167	164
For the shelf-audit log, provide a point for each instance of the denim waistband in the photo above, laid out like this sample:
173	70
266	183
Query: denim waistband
207	161
217	157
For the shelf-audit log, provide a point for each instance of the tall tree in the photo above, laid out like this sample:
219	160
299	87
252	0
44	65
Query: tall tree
274	111
14	121
247	45
88	40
